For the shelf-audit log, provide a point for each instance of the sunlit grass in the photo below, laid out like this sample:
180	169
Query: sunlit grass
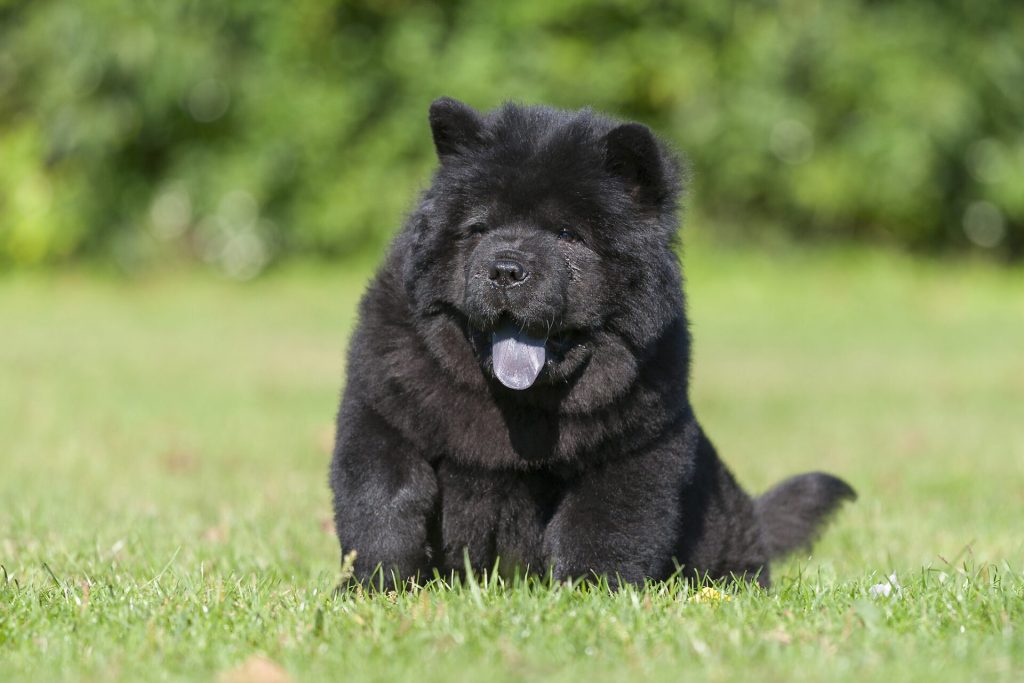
164	511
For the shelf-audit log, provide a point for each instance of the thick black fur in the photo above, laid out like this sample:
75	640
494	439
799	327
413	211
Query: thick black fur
600	468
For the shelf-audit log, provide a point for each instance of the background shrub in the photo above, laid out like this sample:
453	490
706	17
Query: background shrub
241	131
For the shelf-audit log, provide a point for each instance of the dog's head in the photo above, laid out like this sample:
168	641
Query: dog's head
546	235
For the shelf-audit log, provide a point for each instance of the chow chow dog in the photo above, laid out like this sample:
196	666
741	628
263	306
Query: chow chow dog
518	383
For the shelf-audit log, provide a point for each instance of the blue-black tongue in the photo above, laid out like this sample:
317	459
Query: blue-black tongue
517	357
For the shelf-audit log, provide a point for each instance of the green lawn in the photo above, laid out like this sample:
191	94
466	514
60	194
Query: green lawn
164	511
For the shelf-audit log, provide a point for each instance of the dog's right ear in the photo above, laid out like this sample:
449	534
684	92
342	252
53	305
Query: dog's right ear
455	126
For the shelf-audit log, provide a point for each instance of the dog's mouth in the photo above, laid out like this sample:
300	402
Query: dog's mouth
517	356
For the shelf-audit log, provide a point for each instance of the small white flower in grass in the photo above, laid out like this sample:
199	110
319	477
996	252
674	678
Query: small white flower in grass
887	588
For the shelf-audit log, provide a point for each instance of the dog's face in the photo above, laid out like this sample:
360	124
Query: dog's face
531	290
536	233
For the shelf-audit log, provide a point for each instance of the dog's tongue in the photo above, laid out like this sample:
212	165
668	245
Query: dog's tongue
517	357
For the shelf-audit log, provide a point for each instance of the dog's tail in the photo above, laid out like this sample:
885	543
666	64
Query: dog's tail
794	513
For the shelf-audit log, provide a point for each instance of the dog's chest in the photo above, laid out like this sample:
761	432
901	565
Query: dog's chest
484	515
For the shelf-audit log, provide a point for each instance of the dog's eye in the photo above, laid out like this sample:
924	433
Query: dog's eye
476	228
567	235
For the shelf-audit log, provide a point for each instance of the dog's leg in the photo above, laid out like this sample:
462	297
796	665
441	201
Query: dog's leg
385	494
620	520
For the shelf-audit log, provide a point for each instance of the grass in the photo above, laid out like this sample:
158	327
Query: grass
164	512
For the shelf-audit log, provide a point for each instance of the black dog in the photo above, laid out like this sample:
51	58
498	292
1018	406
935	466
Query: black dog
518	381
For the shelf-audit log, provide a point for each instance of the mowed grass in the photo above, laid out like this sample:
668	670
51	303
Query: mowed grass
164	511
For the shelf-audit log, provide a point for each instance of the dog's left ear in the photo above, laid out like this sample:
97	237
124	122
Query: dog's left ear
455	126
632	154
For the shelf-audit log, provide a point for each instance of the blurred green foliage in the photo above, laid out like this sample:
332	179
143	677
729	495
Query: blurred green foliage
240	131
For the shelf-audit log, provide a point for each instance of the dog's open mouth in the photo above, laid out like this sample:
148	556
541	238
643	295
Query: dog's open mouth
518	356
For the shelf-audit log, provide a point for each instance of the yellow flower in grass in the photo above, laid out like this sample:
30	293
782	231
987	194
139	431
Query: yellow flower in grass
710	595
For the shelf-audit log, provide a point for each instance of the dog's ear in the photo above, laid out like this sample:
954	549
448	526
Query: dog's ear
455	126
632	154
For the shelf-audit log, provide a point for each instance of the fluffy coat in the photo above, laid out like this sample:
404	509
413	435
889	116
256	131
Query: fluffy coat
559	229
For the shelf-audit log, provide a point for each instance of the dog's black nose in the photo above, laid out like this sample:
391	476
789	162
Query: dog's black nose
506	272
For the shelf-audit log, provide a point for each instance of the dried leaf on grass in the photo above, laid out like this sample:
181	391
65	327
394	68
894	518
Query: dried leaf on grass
256	669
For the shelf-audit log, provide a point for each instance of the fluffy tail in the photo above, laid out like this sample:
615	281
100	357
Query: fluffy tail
794	513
